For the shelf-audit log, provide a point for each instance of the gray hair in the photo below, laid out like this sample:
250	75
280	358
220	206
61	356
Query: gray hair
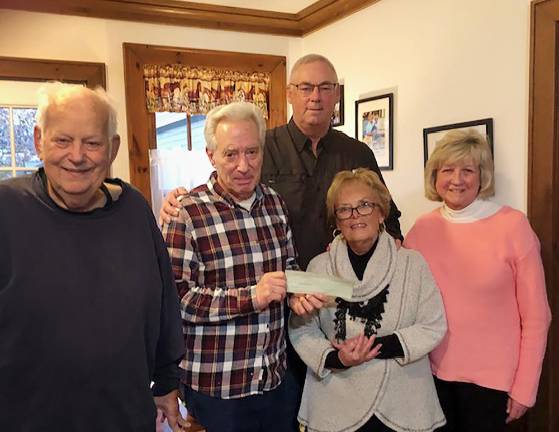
235	111
456	146
312	58
56	93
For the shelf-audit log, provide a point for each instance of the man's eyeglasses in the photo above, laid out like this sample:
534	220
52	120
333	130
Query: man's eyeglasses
306	89
364	209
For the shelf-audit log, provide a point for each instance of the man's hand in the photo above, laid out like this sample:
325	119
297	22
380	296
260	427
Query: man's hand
169	406
271	287
357	350
302	304
171	206
515	410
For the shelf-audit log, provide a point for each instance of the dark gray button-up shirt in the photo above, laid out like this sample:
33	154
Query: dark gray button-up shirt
302	179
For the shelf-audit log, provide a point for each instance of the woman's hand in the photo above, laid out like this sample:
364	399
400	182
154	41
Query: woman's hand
302	304
171	206
356	350
515	410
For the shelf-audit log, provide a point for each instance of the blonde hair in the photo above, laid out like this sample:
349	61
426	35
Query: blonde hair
57	93
456	146
359	175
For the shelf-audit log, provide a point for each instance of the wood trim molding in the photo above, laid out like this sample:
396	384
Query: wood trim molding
543	189
24	69
141	124
174	12
324	12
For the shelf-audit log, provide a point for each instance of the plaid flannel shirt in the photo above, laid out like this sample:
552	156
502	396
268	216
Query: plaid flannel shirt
219	251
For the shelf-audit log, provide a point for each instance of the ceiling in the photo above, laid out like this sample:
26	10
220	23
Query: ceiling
286	6
285	17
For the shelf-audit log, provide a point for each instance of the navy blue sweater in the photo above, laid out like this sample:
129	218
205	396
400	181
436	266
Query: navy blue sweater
89	313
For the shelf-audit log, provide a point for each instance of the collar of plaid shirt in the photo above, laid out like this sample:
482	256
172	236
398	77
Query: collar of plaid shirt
214	186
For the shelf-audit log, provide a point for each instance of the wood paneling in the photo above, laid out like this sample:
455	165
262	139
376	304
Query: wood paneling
23	69
192	14
141	124
543	191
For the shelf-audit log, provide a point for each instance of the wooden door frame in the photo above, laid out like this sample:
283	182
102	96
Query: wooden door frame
543	190
141	123
27	69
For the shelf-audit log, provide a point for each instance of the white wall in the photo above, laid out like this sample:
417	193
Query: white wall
449	61
59	37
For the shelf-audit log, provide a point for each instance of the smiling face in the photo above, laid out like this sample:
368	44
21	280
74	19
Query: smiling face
237	157
75	151
314	110
458	183
360	232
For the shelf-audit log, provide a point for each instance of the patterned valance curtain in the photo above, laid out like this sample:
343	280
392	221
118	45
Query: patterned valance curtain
193	90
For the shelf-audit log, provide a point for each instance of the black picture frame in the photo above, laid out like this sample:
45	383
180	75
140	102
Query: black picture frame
374	125
433	134
339	108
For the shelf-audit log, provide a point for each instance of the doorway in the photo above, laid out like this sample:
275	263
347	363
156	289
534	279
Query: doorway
543	191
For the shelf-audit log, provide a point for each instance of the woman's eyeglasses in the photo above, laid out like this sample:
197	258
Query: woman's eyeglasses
363	209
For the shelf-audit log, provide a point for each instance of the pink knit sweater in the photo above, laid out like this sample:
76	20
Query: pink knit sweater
491	278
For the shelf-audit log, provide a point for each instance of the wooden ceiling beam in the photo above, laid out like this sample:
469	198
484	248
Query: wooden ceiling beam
191	14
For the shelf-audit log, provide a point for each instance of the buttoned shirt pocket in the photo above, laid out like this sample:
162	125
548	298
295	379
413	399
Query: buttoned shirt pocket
291	187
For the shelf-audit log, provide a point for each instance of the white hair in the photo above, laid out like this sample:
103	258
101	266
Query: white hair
235	111
56	93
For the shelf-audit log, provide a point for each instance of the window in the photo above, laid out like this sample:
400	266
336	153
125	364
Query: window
17	151
142	125
180	157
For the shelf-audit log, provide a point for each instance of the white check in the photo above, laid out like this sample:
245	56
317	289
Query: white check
309	283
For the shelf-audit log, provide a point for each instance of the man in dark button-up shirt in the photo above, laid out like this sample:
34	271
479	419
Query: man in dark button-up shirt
303	156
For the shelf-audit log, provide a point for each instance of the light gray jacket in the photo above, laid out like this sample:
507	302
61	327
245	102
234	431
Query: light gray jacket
400	391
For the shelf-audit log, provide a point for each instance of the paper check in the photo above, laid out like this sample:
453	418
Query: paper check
309	283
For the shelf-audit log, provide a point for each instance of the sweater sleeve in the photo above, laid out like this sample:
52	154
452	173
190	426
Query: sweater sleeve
430	325
310	342
201	304
170	345
535	317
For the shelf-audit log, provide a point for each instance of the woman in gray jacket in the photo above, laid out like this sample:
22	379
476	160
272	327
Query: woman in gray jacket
367	357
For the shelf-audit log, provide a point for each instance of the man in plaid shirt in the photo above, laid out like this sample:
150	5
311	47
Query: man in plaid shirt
229	249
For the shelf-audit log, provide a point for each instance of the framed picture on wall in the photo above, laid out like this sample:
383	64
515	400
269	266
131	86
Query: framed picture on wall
433	134
338	114
374	126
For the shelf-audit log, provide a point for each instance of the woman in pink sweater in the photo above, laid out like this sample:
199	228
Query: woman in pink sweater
486	261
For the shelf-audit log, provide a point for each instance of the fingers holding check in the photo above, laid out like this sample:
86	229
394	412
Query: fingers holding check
357	350
302	304
271	287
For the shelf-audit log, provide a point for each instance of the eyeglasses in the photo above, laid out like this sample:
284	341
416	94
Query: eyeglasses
364	209
306	89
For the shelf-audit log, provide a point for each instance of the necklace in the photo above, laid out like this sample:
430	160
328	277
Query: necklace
368	312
